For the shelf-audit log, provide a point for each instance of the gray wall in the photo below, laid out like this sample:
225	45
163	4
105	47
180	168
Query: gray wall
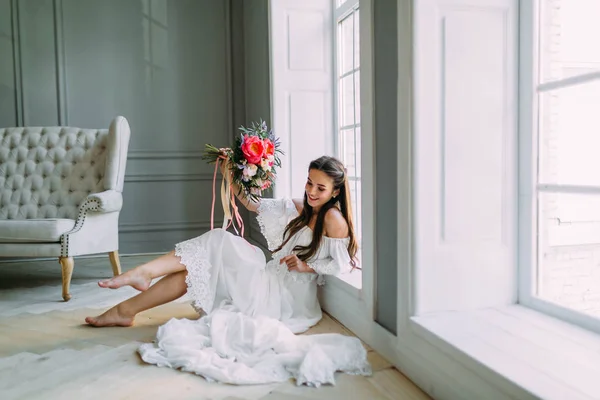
386	130
171	67
184	73
251	77
257	75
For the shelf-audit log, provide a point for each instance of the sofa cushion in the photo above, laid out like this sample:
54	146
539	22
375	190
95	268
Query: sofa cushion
34	230
47	172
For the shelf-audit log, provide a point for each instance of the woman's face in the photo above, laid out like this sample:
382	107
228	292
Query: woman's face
319	188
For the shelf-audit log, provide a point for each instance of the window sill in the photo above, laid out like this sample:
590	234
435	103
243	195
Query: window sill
348	283
353	279
520	349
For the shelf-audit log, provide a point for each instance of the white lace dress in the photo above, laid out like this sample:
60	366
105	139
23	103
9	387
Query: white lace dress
254	307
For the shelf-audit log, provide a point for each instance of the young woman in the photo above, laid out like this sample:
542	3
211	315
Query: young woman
249	300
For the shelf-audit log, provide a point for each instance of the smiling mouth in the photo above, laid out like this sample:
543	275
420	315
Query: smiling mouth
312	198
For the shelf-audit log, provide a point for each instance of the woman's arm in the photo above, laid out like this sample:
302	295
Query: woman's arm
335	227
251	205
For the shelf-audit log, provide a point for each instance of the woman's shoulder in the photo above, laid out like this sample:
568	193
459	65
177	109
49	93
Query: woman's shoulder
336	226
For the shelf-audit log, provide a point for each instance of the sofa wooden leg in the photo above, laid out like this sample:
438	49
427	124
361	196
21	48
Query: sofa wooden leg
67	264
114	261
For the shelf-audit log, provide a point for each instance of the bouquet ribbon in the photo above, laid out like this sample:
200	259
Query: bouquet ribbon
227	201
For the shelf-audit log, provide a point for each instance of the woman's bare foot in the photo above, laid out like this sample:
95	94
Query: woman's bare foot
135	278
112	317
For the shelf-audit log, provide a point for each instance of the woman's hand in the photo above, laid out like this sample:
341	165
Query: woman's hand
295	264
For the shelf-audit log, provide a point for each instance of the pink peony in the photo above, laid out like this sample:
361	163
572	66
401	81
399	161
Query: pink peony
253	149
269	148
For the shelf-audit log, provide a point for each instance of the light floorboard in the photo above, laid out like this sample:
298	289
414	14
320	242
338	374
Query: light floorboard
47	352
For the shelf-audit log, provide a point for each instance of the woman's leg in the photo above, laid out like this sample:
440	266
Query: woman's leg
140	277
169	288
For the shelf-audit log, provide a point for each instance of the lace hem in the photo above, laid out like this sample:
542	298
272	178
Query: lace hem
281	270
325	266
272	245
195	259
272	234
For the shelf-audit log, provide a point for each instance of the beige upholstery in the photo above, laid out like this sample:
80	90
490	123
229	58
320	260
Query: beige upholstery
61	192
36	231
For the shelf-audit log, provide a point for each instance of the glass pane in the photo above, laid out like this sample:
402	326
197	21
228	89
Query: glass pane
346	44
355	203
352	185
569	32
340	2
357	211
346	101
358	151
569	139
356	39
357	97
348	150
569	251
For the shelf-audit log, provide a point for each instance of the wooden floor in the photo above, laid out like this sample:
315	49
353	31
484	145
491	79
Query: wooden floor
46	352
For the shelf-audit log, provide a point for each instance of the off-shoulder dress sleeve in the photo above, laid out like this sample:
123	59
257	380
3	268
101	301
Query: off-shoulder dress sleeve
273	217
338	261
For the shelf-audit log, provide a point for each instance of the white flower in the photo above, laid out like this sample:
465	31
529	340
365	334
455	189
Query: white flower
250	170
259	182
265	164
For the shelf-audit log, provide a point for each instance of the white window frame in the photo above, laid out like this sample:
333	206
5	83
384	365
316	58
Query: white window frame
350	298
357	287
339	14
529	187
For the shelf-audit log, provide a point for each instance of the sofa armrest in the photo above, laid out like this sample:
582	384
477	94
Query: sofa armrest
96	203
103	202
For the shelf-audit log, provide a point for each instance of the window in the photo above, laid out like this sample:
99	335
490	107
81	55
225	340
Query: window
346	18
565	280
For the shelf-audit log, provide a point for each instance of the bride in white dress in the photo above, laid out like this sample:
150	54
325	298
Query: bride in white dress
254	307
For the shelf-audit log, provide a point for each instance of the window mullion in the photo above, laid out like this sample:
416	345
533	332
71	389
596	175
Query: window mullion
344	10
568	82
346	128
528	149
352	71
575	189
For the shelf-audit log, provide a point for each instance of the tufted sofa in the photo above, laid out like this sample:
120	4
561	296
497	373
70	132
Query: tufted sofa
61	193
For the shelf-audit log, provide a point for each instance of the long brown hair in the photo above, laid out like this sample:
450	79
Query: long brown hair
336	171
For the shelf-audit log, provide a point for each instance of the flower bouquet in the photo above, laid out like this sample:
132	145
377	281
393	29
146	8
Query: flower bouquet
252	162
